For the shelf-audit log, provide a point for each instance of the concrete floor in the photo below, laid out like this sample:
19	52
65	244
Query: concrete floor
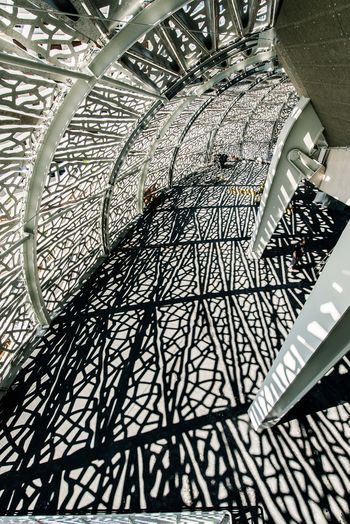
136	398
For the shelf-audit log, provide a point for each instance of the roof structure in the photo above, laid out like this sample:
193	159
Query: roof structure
102	100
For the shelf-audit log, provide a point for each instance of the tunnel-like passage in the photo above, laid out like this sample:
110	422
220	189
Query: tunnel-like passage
128	296
100	103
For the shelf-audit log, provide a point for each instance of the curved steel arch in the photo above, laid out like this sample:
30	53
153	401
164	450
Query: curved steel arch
263	59
62	124
143	22
144	122
211	139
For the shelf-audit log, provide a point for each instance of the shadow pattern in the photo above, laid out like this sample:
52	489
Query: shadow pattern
136	398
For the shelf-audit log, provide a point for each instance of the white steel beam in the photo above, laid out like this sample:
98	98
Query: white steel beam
318	340
274	11
134	71
151	63
213	22
173	50
191	35
301	131
145	21
25	64
253	11
235	16
157	61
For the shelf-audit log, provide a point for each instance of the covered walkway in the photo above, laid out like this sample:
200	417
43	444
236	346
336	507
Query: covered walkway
136	398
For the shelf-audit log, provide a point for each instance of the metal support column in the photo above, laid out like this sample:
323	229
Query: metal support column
317	341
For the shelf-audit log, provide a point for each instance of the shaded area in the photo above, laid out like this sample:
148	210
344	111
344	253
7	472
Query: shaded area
136	398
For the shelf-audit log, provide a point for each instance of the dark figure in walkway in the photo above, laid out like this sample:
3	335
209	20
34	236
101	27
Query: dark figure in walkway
298	250
222	160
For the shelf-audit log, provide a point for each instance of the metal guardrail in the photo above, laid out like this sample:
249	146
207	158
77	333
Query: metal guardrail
245	515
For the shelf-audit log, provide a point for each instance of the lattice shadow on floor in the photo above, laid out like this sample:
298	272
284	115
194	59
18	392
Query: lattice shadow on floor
136	398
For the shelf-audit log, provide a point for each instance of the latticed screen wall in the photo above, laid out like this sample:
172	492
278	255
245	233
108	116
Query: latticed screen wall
102	101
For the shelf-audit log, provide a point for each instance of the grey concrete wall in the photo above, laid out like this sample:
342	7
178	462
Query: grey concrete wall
314	47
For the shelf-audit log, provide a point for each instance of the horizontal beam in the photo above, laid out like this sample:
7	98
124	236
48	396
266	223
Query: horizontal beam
42	67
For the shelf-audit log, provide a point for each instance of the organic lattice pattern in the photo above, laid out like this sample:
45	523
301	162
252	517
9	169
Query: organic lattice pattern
70	242
193	152
24	100
248	130
285	111
62	261
136	397
75	146
124	204
262	120
50	37
158	173
237	125
17	318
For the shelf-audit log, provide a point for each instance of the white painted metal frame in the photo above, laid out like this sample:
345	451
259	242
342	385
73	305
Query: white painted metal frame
74	133
302	130
151	16
318	339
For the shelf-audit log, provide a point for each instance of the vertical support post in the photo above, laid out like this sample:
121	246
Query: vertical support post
212	135
318	339
302	131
